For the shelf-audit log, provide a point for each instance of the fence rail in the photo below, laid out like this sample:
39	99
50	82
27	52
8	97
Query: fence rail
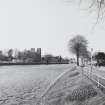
99	79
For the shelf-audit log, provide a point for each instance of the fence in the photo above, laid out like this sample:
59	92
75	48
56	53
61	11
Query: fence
99	80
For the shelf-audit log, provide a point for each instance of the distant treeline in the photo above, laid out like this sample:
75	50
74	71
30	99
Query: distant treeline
99	57
50	59
31	56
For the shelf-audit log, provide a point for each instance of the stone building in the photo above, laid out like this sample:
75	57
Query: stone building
29	56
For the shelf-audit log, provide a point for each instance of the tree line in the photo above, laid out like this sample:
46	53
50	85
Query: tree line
31	56
25	55
100	58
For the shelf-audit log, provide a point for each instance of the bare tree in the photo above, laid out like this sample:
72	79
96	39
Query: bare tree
78	46
97	5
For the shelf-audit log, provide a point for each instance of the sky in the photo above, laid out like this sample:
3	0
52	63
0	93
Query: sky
47	24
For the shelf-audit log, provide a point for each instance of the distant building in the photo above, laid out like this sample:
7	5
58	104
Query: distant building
1	53
29	56
32	49
38	51
38	55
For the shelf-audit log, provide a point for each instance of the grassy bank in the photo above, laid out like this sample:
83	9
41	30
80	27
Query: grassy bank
37	63
74	89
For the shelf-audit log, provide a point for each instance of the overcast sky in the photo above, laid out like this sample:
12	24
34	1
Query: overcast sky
48	24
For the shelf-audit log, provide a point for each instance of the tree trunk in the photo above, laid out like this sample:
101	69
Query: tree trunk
77	60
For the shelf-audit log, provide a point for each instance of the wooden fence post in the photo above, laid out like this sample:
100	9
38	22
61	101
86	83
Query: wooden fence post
98	81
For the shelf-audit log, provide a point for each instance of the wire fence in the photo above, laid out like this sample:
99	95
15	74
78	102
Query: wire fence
98	79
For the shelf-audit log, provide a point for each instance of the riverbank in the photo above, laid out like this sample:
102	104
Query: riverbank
10	64
74	89
23	85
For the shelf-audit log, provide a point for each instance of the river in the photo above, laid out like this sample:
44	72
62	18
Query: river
29	78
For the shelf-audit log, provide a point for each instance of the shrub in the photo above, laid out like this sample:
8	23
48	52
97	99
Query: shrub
82	93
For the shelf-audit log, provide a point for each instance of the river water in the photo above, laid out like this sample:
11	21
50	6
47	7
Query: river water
20	79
